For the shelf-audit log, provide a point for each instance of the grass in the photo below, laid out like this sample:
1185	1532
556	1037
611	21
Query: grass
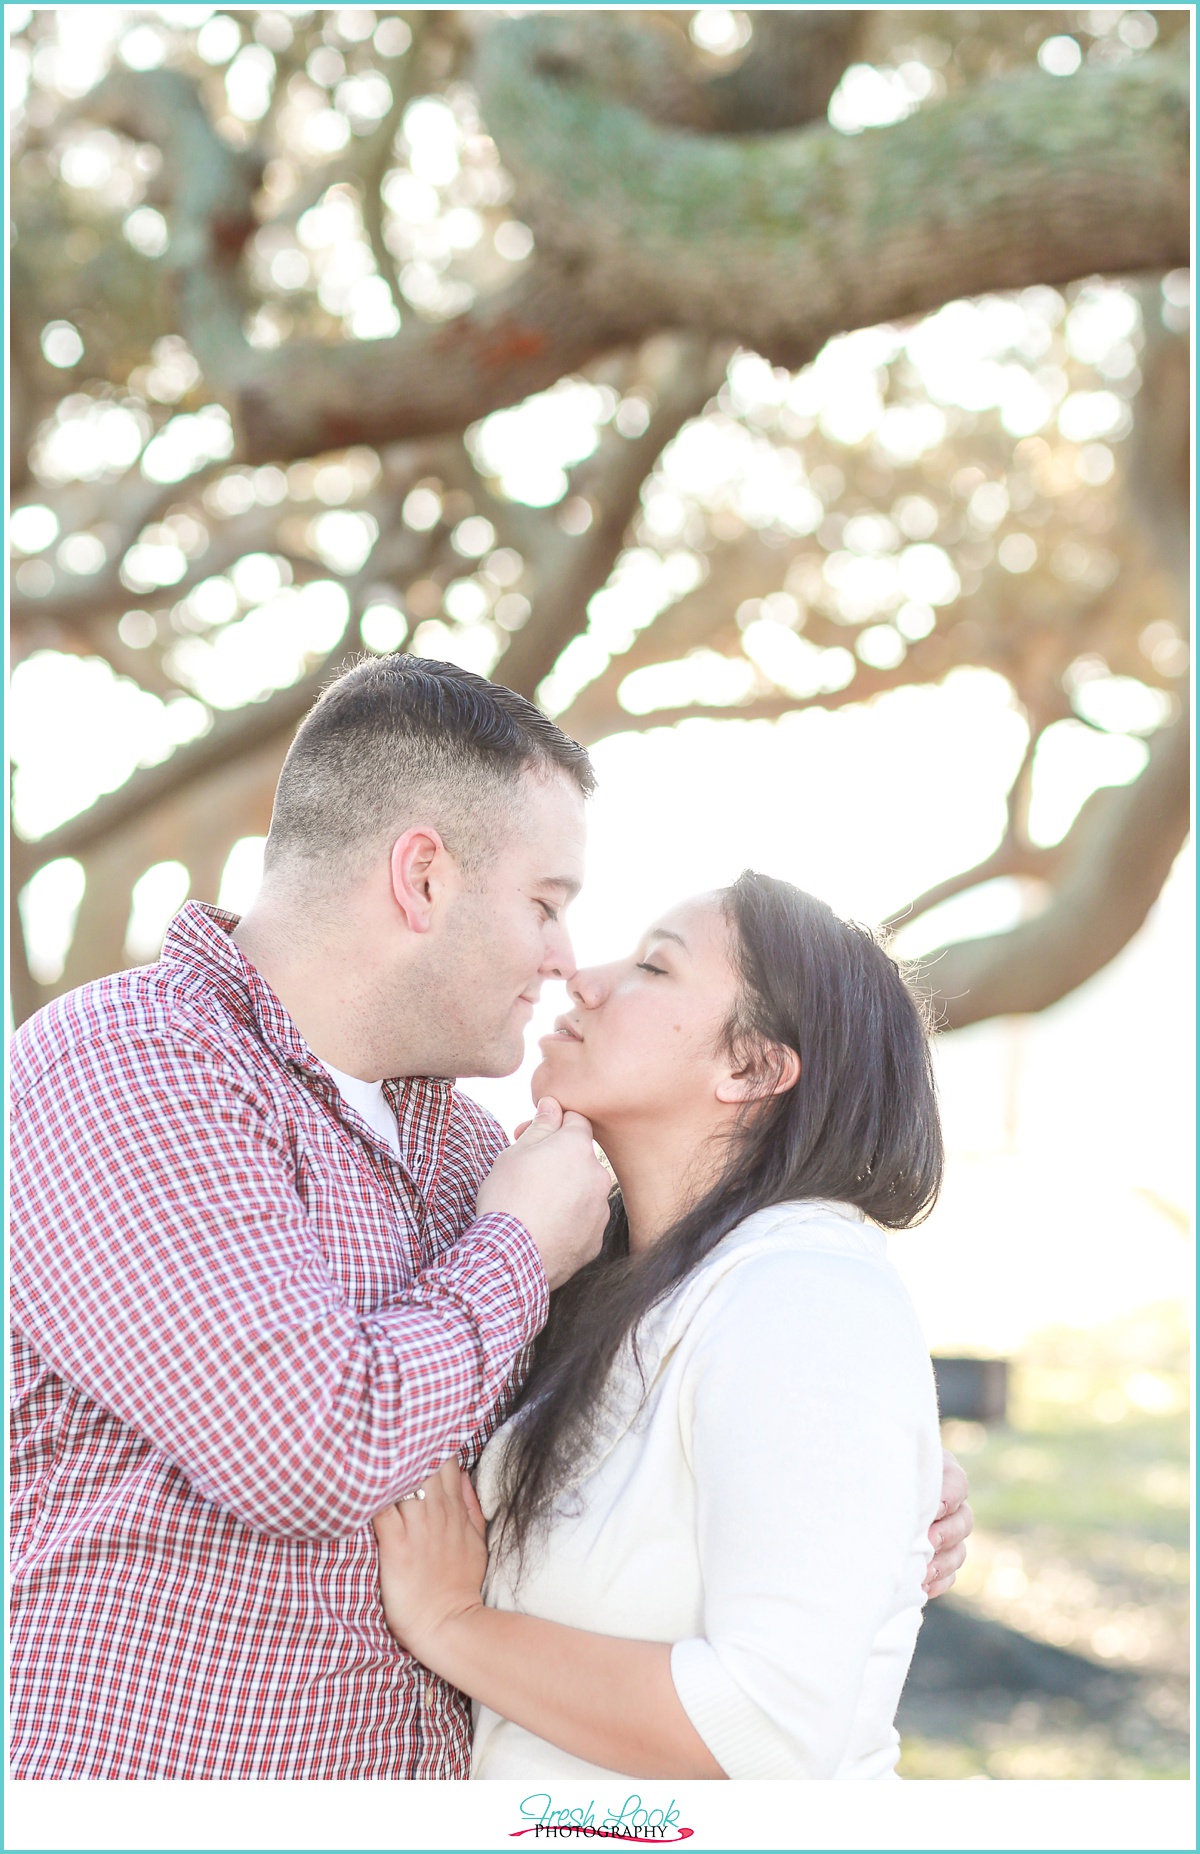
1081	1540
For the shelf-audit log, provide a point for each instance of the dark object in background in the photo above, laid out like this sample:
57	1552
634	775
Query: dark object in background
972	1390
959	1652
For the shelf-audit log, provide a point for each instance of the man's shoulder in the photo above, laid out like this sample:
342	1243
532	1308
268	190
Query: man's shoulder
146	1014
477	1127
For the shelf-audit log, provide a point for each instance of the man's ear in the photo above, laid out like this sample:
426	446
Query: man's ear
772	1069
419	867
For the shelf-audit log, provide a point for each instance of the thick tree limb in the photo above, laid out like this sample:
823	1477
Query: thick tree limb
779	241
230	737
793	65
211	188
309	397
1114	862
795	62
786	239
1158	474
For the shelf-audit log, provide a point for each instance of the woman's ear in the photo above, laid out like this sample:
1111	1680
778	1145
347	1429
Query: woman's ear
773	1069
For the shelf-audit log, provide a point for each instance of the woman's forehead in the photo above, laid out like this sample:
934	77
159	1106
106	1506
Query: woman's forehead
699	921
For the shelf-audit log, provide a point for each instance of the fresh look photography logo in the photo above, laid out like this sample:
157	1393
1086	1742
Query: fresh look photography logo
633	1820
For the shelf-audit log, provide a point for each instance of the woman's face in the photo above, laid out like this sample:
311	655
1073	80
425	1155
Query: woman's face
642	1040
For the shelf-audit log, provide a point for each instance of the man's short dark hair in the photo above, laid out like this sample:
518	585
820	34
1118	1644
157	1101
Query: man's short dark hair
400	740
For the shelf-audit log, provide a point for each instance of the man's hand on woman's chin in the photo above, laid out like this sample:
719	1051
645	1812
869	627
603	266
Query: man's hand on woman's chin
950	1530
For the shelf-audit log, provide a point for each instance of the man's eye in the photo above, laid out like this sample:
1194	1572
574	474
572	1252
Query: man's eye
645	966
550	913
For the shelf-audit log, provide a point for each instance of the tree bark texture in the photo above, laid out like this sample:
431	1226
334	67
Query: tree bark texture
779	241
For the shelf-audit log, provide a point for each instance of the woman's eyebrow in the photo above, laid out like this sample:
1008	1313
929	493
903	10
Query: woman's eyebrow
667	933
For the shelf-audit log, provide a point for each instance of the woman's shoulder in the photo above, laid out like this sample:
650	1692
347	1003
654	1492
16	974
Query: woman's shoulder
800	1252
794	1241
815	1225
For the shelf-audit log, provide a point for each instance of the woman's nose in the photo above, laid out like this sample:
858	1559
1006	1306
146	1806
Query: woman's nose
589	986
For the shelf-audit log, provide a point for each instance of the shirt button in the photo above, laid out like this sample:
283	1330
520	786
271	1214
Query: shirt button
428	1698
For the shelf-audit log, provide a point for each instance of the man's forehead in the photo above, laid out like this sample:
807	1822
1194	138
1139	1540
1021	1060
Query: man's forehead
550	831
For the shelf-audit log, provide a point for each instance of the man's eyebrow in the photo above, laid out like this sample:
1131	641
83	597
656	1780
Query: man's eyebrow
567	886
667	933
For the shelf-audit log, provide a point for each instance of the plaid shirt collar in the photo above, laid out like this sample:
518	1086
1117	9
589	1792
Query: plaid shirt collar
200	938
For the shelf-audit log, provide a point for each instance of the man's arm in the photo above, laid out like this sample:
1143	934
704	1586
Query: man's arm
163	1262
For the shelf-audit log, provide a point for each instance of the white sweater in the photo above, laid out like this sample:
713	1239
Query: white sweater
766	1510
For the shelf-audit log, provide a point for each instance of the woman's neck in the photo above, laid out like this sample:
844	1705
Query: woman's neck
662	1172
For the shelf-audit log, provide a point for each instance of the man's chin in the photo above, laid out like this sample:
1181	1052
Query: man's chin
503	1058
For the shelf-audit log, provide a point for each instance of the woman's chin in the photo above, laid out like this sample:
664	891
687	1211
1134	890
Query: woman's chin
548	1078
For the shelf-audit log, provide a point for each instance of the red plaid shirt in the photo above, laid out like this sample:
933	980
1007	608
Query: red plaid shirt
242	1327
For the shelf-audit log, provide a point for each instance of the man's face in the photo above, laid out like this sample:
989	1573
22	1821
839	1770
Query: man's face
505	932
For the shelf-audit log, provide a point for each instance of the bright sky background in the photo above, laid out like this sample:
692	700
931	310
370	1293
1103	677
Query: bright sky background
1071	1134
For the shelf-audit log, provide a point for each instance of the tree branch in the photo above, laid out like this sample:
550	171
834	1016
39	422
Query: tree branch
25	994
780	241
211	188
784	240
77	599
1009	858
560	608
794	63
1113	862
230	737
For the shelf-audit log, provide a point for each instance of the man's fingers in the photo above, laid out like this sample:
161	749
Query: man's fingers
953	1529
572	1119
954	1485
951	1559
523	1128
547	1120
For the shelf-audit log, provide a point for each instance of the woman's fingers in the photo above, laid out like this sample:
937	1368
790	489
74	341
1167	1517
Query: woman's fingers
471	1502
389	1526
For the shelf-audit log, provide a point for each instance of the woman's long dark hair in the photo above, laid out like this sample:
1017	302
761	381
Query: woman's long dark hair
860	1126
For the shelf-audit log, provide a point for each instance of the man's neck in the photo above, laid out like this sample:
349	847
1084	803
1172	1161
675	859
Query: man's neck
323	989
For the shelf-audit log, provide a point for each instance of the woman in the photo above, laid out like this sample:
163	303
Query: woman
710	1510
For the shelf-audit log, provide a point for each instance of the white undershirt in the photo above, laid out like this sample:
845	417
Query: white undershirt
370	1102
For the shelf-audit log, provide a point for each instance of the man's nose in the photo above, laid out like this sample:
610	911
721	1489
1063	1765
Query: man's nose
558	960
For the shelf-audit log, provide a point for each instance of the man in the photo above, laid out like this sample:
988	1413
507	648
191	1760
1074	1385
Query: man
269	1269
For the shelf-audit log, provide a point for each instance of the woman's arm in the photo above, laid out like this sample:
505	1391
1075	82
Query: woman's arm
807	1401
599	1697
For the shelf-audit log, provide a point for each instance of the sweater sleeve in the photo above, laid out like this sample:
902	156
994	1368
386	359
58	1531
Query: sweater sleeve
809	1411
